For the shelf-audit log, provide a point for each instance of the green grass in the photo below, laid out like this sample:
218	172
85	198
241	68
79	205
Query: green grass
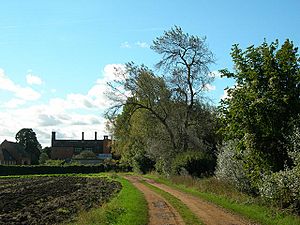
188	217
128	208
237	203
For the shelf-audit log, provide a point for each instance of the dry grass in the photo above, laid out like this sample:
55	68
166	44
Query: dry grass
212	185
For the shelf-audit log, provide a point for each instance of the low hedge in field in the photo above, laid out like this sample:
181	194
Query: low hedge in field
6	170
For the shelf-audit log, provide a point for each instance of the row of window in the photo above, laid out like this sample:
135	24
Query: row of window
78	149
8	162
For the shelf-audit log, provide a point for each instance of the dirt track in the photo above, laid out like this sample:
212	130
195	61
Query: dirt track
160	211
208	213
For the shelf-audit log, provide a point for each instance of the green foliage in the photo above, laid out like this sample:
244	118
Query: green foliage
43	158
195	163
86	155
54	162
142	163
27	138
157	117
230	167
262	105
282	188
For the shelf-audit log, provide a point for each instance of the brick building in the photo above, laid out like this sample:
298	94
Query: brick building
12	153
66	149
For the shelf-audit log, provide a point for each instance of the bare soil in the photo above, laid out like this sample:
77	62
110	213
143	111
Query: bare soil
51	200
160	211
207	212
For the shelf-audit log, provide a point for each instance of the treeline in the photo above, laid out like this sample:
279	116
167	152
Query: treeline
164	122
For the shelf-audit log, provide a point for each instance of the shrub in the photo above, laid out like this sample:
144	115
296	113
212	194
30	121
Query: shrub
142	163
86	155
194	163
229	168
282	188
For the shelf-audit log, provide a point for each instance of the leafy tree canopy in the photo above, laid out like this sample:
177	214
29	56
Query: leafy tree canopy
27	138
264	103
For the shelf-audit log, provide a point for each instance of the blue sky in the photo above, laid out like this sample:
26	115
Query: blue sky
55	56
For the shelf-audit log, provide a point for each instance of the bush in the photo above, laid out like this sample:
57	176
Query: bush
283	188
194	163
230	169
142	163
85	155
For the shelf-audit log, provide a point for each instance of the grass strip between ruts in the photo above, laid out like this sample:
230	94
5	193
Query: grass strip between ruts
188	217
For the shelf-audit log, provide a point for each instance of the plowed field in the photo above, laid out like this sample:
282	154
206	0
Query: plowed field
51	200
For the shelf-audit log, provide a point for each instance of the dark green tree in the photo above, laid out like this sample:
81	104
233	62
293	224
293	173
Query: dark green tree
27	138
264	103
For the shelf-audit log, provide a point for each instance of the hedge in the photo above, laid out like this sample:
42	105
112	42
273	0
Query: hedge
6	170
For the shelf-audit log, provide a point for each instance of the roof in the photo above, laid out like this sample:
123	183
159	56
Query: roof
77	143
13	150
7	156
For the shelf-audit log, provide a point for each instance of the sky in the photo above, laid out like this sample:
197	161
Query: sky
56	56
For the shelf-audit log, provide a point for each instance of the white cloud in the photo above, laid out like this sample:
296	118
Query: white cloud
142	44
139	44
24	93
68	116
32	79
14	103
224	95
125	45
209	87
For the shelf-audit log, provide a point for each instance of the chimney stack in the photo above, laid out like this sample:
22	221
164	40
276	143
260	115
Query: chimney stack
53	138
95	135
82	136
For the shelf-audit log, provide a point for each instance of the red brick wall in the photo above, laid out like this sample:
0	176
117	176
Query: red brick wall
61	152
106	146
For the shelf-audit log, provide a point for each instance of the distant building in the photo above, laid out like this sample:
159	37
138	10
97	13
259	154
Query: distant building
12	153
66	149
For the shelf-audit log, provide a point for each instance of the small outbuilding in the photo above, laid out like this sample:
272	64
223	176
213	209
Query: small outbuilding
12	153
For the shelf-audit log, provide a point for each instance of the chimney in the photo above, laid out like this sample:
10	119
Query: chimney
96	135
53	138
82	134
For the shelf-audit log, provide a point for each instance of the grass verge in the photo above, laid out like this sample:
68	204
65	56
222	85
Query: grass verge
261	214
128	208
188	217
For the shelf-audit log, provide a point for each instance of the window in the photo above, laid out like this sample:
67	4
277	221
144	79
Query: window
77	149
89	149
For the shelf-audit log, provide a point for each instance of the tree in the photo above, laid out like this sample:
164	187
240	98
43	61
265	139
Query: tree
185	61
263	105
27	138
43	158
142	90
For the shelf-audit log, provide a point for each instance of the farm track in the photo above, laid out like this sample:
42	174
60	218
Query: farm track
51	200
160	211
207	212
